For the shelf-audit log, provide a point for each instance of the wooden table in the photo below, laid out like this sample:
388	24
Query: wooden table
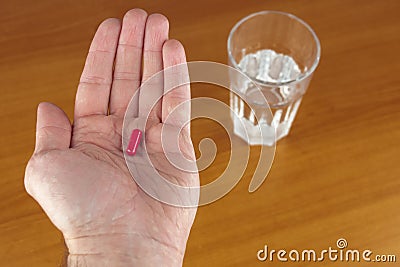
335	176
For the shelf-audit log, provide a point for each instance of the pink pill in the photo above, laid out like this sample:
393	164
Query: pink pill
134	142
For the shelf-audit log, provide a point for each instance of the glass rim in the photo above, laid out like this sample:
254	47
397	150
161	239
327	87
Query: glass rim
264	12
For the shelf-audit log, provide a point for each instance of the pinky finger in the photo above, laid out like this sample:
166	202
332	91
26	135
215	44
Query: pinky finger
176	73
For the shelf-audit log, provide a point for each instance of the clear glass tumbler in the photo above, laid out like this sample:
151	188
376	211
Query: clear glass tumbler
279	53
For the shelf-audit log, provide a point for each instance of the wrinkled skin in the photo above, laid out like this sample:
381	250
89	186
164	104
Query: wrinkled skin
78	173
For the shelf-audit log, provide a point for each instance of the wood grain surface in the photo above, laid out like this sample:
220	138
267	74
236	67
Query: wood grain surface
335	176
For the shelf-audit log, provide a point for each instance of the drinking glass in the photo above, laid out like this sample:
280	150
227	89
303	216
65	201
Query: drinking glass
279	53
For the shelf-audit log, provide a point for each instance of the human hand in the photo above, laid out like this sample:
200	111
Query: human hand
78	173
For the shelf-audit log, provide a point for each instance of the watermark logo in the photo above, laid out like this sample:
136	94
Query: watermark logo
341	243
184	192
341	253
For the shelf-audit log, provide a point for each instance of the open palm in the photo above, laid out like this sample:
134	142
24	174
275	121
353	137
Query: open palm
78	174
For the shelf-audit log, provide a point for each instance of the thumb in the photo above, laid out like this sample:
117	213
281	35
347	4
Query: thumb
53	128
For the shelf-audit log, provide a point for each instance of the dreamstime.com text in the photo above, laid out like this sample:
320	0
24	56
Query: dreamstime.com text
341	254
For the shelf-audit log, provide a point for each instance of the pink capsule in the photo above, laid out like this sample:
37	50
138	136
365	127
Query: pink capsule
134	142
